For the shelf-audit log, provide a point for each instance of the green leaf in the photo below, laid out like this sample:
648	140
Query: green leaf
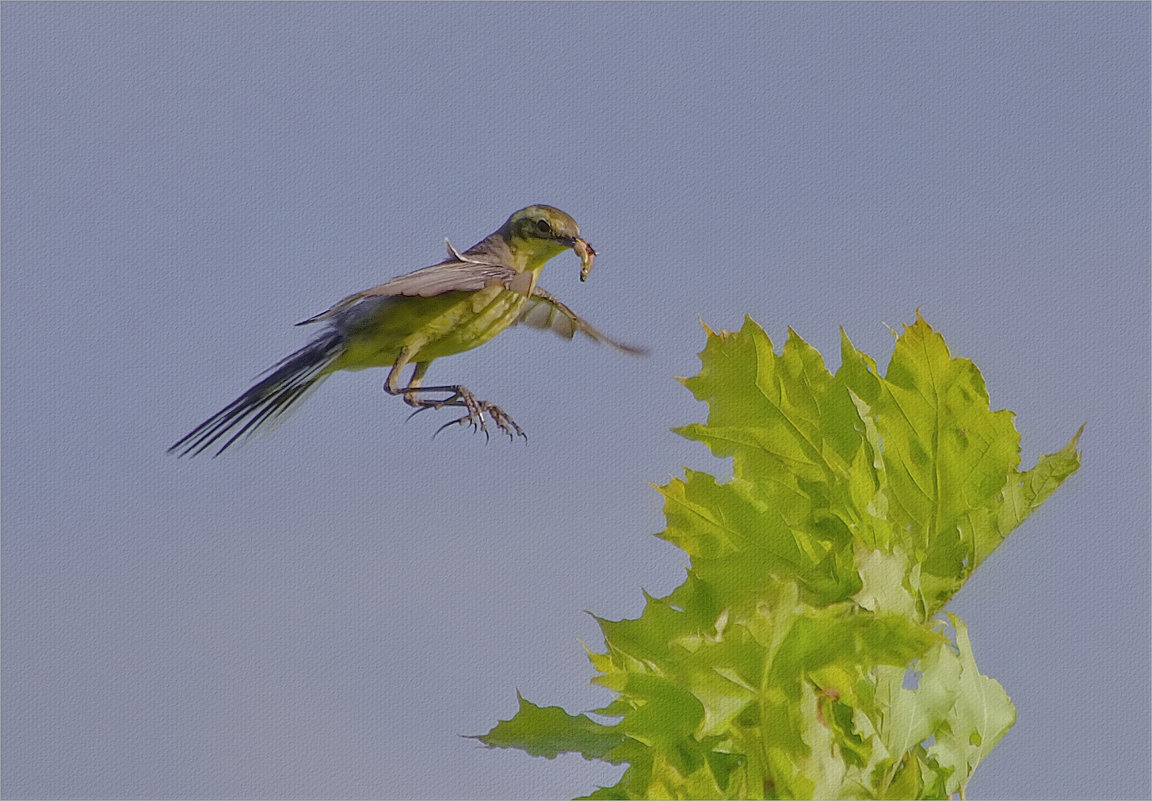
945	451
799	658
738	543
548	731
763	408
1022	495
849	639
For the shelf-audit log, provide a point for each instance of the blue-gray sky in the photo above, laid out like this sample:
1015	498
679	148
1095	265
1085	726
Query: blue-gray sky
321	613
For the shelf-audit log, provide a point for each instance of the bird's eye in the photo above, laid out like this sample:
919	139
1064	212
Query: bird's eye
543	226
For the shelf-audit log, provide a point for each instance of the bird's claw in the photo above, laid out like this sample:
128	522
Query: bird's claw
504	422
476	415
417	411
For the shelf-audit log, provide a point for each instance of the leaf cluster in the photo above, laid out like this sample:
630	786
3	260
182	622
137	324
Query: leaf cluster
802	657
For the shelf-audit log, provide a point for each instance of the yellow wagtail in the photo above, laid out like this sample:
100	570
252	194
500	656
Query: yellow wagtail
447	308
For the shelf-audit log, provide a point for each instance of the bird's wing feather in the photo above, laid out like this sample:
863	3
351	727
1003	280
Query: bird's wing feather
544	310
447	276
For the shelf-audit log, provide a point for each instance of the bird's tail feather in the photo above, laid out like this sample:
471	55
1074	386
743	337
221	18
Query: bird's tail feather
269	401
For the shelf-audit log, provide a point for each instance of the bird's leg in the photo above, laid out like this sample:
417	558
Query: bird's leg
459	396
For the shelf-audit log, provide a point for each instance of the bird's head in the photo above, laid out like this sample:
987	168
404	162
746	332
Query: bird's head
541	232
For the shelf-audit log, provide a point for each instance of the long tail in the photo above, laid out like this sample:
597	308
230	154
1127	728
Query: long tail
269	401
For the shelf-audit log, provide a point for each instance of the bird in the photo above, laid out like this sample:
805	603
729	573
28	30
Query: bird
447	308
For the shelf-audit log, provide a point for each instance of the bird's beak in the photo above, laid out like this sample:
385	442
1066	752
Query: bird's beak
586	254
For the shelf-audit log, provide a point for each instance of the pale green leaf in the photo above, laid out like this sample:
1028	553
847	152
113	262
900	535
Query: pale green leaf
980	716
882	577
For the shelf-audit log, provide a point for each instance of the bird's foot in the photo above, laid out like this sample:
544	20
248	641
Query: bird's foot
477	413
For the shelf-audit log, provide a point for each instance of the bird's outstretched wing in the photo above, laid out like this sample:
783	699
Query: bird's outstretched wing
453	275
545	310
